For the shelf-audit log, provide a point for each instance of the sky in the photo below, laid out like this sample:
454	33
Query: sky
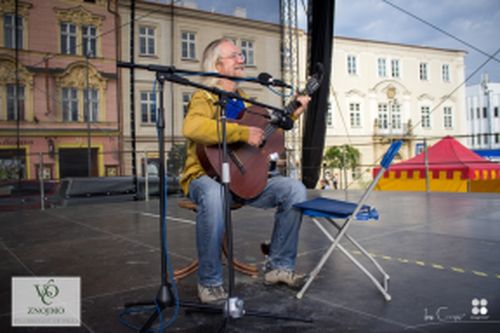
476	22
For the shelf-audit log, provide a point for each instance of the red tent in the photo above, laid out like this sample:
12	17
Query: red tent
452	168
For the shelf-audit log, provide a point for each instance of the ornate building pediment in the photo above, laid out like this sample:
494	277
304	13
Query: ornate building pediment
9	6
355	92
8	71
425	97
76	75
390	88
78	15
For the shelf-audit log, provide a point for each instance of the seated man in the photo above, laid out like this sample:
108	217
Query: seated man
200	127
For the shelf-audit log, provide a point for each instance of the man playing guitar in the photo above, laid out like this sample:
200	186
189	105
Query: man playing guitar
201	127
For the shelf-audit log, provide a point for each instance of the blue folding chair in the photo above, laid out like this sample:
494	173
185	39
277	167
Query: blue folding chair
331	210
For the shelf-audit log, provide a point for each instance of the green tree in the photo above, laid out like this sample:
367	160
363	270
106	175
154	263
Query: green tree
340	157
175	158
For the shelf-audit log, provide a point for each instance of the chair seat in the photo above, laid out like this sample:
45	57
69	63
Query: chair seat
332	208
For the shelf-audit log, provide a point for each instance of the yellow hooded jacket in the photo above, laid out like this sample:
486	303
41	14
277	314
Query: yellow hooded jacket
200	126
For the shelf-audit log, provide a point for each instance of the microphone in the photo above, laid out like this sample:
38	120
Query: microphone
267	80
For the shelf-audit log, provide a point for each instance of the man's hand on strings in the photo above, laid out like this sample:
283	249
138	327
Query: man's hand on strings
256	136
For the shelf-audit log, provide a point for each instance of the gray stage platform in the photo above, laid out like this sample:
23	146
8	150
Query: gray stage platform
441	250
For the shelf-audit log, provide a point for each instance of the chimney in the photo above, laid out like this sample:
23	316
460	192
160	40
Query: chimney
240	12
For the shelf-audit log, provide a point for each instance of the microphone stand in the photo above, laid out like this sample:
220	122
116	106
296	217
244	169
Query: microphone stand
233	308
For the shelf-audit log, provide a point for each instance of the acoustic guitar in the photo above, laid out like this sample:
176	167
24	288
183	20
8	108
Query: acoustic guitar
248	165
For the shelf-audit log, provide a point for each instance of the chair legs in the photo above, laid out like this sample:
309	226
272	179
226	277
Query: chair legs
241	267
382	287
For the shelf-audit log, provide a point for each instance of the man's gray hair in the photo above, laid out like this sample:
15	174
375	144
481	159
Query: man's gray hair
210	58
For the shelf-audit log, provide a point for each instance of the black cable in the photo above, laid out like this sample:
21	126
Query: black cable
440	30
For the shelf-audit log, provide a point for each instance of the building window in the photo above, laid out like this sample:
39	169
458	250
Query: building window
148	107
486	138
396	116
497	138
426	117
395	68
146	41
479	139
91	105
471	113
352	65
382	67
329	115
13	163
383	117
448	117
70	104
478	113
485	112
495	110
10	32
188	44
355	114
248	52
423	71
89	40
446	73
11	102
186	97
68	38
472	140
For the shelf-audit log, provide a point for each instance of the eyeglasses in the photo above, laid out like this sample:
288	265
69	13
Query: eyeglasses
235	55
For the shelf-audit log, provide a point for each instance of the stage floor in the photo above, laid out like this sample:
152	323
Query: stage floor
440	249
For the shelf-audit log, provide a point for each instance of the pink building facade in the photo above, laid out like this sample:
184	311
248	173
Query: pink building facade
59	108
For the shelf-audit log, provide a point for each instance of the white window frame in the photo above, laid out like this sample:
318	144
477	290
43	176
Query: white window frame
425	112
352	64
383	116
329	115
445	71
395	68
89	36
186	97
12	33
424	71
248	51
355	114
91	99
69	98
68	38
448	117
188	45
396	116
147	40
10	94
150	103
382	67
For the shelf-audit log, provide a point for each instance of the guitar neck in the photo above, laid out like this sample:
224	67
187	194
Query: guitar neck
290	107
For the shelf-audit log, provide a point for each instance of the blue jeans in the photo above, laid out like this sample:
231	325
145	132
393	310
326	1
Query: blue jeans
280	192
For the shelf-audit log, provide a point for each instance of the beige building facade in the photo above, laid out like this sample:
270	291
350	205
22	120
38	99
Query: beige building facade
178	39
383	91
378	92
